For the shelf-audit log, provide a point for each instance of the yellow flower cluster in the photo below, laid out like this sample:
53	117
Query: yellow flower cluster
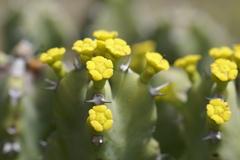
85	48
224	70
100	118
100	68
236	55
188	63
218	111
106	44
53	57
117	47
104	35
156	63
139	51
222	52
144	47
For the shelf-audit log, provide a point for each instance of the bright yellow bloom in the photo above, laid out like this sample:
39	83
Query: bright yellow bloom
143	47
139	50
104	35
156	63
188	63
58	65
85	47
237	47
223	52
117	47
53	58
100	118
100	68
224	70
236	54
218	111
52	55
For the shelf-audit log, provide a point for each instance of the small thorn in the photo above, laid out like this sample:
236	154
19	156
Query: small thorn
219	96
49	81
7	147
12	130
98	99
51	88
213	136
97	140
52	84
165	156
153	129
125	67
11	148
155	91
43	143
160	94
208	98
76	63
16	147
15	95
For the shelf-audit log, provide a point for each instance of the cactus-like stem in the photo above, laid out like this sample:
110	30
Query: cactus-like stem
135	104
230	130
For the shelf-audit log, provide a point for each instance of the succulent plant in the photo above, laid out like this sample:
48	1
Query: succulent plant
120	102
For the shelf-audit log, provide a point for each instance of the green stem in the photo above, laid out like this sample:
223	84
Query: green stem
99	85
146	76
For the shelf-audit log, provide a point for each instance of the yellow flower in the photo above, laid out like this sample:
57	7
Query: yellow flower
223	52
188	63
139	50
143	47
156	63
100	118
85	47
52	55
104	35
45	58
58	65
236	54
117	47
100	68
53	58
224	70
237	47
218	111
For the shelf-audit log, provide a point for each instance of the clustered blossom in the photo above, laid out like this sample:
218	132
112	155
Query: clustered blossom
156	62
53	57
100	68
100	118
117	47
188	63
106	44
224	70
218	111
222	52
236	55
85	48
144	47
104	35
98	55
139	51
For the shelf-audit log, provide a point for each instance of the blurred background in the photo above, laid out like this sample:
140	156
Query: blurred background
178	26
